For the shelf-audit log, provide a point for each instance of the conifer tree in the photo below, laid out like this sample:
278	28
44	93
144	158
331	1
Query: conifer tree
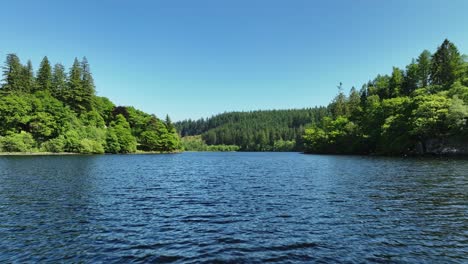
87	84
44	75
12	74
73	96
28	81
424	68
59	82
446	65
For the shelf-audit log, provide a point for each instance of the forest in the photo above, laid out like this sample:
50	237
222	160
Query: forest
268	130
406	112
53	110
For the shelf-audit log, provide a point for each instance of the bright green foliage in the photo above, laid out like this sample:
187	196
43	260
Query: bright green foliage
398	113
18	142
121	128
88	146
55	145
196	143
44	76
335	135
457	116
59	112
284	145
429	115
104	107
112	142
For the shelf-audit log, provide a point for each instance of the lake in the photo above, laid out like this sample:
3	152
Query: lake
233	207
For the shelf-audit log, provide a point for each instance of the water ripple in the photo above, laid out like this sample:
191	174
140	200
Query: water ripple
233	208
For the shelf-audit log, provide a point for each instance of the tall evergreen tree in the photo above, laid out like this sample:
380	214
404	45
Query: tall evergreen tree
12	74
59	82
44	75
28	81
446	64
73	96
87	84
424	68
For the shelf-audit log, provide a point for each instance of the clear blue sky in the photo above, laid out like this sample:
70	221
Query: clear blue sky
192	59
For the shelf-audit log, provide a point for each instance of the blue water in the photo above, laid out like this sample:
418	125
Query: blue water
233	207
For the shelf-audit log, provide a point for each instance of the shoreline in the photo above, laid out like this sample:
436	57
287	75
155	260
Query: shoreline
77	154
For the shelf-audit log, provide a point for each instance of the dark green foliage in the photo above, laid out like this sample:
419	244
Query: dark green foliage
411	79
13	73
59	82
44	76
59	113
446	65
28	81
399	113
253	131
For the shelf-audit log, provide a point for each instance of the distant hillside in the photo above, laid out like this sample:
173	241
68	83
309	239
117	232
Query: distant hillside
266	130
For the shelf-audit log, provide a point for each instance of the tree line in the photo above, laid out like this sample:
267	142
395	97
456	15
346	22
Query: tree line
269	130
401	112
53	110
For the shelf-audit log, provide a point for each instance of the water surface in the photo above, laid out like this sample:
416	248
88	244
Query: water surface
233	207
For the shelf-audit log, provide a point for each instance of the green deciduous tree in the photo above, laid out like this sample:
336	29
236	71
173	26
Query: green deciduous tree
395	82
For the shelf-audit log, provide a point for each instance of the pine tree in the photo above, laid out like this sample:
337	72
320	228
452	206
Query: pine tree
28	81
73	96
169	124
12	74
446	65
44	76
87	84
424	68
59	82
